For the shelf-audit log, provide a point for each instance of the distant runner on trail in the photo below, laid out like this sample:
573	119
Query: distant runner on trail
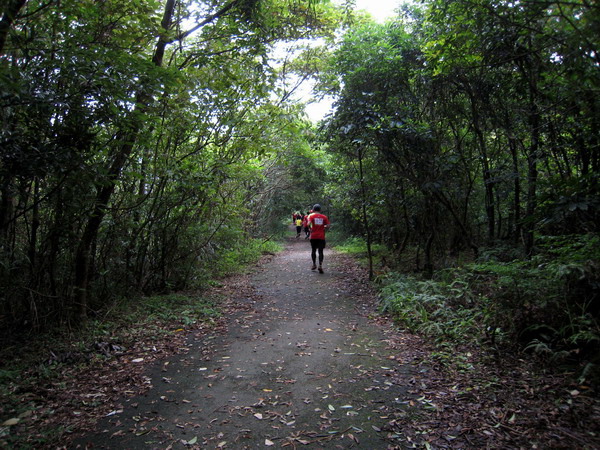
305	225
298	226
318	224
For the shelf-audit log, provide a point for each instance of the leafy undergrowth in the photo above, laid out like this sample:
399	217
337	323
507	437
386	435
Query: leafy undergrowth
238	258
482	385
62	383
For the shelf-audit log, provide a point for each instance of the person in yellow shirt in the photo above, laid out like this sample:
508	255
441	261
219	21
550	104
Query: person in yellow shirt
298	223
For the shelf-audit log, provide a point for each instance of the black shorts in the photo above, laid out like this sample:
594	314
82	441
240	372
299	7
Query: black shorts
317	244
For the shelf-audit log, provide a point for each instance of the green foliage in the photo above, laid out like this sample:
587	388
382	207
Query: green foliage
571	256
174	309
547	280
441	107
569	204
443	136
461	129
434	309
149	160
243	254
549	303
355	246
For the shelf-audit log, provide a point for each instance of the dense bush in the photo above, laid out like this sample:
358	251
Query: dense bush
546	305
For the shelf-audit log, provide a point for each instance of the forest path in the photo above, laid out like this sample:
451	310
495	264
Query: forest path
298	364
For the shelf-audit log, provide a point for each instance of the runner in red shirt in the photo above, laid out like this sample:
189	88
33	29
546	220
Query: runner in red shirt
318	224
305	225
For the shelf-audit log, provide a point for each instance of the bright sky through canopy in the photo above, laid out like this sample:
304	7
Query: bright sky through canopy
380	10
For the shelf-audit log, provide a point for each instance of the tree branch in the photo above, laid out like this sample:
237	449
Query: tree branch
9	14
206	21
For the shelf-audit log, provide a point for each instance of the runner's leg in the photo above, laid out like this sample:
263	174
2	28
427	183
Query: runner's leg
321	256
313	253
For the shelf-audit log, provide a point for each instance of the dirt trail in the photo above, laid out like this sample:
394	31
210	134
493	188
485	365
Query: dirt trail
300	364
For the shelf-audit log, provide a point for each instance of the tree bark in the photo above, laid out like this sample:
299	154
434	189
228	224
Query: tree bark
9	14
531	73
532	177
126	139
7	211
35	225
487	173
363	192
466	235
428	262
517	189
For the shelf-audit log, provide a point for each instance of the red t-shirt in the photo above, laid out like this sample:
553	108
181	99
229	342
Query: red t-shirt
317	222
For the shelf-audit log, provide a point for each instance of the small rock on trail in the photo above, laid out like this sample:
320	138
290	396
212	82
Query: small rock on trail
299	364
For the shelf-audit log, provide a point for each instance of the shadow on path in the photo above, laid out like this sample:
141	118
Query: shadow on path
300	364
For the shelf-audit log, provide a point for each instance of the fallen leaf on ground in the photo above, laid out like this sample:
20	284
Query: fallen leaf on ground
9	422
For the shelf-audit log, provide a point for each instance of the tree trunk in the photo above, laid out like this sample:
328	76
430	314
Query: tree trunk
531	72
7	211
406	221
363	192
532	176
517	190
9	14
466	235
35	225
487	173
428	262
595	138
126	140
